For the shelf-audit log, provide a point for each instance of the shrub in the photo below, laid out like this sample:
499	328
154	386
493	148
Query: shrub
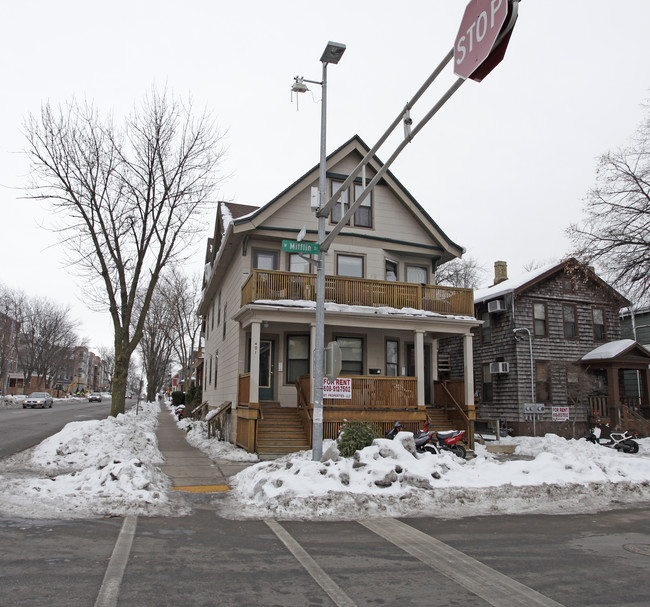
178	398
356	436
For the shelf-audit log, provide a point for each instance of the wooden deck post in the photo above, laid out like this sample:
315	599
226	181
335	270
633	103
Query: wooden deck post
254	387
419	366
468	367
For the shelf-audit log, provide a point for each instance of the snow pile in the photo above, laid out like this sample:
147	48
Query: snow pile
197	436
388	478
90	468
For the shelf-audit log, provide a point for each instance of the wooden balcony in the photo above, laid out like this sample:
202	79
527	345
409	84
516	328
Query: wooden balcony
267	284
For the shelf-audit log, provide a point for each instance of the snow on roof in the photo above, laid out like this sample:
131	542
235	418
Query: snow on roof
609	350
512	284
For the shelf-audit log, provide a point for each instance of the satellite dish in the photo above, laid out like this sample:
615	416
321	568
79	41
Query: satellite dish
302	233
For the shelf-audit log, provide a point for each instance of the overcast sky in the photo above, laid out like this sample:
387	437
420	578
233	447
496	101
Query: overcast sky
503	168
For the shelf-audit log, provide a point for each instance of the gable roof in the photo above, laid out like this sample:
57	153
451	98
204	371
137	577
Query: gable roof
616	349
257	216
521	283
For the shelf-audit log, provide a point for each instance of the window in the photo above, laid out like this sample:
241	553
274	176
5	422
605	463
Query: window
363	215
212	315
223	334
486	329
351	355
297	357
391	270
416	274
567	285
265	260
218	308
349	265
392	349
572	383
486	376
216	367
598	318
542	382
569	318
539	319
298	264
210	371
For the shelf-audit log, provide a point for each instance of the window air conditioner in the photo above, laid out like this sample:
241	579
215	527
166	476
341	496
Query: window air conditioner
497	305
499	367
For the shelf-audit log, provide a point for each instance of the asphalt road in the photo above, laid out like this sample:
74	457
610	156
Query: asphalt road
23	428
203	560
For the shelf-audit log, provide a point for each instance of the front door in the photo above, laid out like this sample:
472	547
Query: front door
410	368
267	360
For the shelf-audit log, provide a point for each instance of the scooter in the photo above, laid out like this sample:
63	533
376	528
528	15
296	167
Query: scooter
621	441
449	440
424	441
180	412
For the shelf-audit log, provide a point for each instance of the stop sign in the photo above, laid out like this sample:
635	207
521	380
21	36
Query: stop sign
478	31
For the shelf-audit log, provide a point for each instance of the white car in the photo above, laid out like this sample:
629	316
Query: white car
38	400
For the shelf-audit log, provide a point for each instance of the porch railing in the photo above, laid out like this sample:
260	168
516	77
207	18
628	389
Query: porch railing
267	284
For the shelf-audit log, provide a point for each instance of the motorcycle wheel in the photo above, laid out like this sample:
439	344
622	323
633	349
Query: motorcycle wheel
630	446
459	451
431	449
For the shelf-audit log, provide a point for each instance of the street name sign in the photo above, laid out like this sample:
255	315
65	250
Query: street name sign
476	36
293	246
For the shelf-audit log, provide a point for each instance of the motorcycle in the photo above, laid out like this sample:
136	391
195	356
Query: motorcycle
621	441
424	441
449	440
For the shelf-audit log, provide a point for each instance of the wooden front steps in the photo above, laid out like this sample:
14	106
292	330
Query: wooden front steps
439	420
279	432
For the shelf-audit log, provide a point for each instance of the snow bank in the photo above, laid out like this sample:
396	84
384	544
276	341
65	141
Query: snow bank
388	478
90	468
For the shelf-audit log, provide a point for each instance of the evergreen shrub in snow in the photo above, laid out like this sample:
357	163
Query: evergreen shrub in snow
356	436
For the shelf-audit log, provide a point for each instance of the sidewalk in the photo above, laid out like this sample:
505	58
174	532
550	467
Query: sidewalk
189	468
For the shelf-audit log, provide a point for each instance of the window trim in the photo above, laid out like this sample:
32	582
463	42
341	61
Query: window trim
351	195
546	332
352	255
565	306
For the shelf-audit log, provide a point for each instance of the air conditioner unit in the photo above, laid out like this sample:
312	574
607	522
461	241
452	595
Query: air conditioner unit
496	305
499	367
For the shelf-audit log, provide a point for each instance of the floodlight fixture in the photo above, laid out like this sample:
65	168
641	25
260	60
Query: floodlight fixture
333	52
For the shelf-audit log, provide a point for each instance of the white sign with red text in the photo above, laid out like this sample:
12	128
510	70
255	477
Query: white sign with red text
560	414
337	388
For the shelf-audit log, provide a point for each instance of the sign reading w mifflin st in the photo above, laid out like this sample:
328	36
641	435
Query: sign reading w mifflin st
293	246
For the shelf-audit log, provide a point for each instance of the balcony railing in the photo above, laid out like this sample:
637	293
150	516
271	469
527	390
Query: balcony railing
267	284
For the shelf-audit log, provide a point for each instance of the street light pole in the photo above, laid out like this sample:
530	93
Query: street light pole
332	54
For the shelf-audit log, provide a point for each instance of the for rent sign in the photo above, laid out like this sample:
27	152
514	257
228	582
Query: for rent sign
560	414
340	387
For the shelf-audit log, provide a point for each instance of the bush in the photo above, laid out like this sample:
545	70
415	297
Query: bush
178	398
356	436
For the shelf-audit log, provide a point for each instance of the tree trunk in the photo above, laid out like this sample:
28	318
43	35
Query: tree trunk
120	376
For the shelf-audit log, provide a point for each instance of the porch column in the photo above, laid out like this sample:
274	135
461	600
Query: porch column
312	343
644	407
419	366
614	397
434	370
254	389
468	368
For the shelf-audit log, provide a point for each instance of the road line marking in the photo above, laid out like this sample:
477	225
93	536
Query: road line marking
496	588
320	577
107	596
203	488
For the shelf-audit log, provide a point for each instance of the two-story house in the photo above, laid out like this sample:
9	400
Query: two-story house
552	336
382	308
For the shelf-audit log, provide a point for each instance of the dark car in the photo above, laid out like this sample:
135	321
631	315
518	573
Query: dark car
95	397
38	400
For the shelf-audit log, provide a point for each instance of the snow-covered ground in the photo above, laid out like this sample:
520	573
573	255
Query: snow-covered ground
111	466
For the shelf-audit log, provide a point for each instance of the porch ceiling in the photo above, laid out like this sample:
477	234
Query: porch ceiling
437	325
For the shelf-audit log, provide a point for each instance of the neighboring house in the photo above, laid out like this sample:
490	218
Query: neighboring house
635	325
382	308
551	337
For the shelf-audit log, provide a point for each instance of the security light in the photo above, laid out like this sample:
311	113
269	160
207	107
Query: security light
333	52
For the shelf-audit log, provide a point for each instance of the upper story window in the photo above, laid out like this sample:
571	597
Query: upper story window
391	270
298	264
265	260
539	319
349	265
362	216
416	274
351	355
392	362
598	318
569	315
486	329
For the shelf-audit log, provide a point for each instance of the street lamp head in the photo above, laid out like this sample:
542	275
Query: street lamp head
333	52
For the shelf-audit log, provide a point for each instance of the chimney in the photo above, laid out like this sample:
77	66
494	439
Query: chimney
500	271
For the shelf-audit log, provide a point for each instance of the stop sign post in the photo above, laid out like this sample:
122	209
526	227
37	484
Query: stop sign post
479	30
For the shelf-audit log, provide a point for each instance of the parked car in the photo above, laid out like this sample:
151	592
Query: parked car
38	400
95	397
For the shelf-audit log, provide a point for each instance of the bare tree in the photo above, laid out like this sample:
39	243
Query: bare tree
182	295
465	272
614	231
9	329
156	346
108	362
131	199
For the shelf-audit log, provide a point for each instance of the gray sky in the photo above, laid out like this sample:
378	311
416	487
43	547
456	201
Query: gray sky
503	168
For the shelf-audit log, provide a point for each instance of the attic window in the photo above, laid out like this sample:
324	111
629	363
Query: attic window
362	216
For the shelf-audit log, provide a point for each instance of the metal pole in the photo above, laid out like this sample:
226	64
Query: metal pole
532	371
319	346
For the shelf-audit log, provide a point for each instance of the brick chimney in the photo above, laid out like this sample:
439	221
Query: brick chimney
500	271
